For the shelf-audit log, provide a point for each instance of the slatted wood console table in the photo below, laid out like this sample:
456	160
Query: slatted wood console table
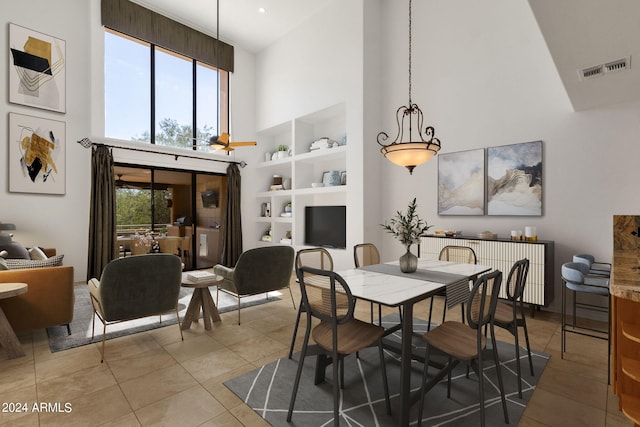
501	254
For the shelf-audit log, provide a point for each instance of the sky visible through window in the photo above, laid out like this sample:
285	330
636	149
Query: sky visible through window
128	91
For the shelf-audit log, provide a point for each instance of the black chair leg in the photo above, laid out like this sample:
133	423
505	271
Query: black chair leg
424	383
68	329
296	383
496	360
295	330
384	377
430	312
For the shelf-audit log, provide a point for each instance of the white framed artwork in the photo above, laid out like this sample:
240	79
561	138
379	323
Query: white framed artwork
37	73
37	161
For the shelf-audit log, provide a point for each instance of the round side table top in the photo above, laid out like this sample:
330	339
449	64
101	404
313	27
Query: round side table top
8	290
203	283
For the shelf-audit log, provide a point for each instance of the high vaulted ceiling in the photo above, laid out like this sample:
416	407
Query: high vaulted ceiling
241	22
579	34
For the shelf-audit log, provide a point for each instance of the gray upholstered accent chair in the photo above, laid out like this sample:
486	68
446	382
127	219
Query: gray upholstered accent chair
259	270
134	287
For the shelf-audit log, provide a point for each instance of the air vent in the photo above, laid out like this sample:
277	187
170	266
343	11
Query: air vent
619	65
591	72
602	69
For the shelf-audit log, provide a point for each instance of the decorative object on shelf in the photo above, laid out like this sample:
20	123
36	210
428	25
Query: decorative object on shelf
487	235
530	234
266	209
36	69
287	207
407	228
415	150
461	183
452	233
317	184
277	180
331	178
514	179
286	183
322	143
283	151
343	178
267	237
516	235
267	156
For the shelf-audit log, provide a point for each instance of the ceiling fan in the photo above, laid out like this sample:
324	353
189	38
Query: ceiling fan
222	142
127	185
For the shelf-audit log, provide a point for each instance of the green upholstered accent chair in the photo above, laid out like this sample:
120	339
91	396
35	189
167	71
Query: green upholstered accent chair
259	270
134	287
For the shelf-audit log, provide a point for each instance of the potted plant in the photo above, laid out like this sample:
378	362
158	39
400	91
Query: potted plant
283	151
287	207
407	228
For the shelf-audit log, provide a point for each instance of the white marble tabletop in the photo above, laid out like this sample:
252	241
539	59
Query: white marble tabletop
394	290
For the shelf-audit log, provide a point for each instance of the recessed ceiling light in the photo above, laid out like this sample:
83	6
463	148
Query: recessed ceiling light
262	10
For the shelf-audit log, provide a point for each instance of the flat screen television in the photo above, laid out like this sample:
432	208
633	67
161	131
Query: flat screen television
325	226
209	199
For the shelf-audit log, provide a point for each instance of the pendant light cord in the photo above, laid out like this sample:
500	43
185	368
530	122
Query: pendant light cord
218	68
409	53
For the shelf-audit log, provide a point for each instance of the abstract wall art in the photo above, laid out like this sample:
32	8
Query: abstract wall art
36	155
36	69
461	183
514	179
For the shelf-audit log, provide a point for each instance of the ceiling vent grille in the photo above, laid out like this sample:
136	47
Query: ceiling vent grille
602	69
619	65
591	72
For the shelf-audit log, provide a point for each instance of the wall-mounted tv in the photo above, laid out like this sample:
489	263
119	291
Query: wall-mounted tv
209	199
325	226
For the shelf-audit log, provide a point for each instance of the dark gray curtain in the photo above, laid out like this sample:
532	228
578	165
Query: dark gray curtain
102	215
233	228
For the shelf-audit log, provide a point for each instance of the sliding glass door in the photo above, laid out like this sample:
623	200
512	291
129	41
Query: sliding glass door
172	211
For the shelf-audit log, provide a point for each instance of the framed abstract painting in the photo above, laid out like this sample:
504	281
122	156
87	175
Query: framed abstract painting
514	179
461	183
36	69
36	155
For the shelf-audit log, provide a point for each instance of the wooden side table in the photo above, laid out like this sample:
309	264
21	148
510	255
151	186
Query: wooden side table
201	298
8	338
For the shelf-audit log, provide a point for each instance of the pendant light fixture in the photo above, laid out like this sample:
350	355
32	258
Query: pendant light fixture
415	147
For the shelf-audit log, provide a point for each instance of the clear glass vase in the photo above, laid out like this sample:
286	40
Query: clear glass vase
408	261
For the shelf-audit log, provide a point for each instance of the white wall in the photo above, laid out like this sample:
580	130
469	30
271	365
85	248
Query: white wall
317	65
45	220
483	77
62	221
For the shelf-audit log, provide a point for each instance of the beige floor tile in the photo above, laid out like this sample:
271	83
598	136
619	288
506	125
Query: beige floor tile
223	420
130	345
157	385
556	410
90	409
192	348
167	335
255	348
76	384
60	366
29	420
140	364
575	387
618	420
222	394
214	364
23	399
16	374
248	417
128	420
190	407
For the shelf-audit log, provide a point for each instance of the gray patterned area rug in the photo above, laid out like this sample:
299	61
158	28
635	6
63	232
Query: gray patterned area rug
267	390
60	340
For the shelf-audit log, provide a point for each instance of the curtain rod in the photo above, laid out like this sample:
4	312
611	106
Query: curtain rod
88	143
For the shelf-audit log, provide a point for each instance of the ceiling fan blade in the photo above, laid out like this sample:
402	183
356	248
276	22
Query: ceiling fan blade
243	143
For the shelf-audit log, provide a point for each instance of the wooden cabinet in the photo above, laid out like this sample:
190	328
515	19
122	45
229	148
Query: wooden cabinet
501	254
300	168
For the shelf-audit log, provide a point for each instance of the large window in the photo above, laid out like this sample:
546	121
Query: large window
158	96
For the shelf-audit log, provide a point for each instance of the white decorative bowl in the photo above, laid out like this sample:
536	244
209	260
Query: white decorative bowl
317	184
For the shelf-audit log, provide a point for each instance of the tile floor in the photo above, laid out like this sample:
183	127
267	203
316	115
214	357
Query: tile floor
154	378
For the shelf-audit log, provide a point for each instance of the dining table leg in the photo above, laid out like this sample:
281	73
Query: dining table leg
405	364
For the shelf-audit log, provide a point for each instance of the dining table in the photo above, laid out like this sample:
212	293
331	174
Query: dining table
385	284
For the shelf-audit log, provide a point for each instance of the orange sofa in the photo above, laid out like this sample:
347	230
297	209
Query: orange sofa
48	301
